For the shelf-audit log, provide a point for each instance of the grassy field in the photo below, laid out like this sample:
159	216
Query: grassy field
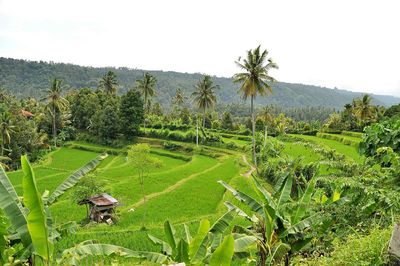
183	190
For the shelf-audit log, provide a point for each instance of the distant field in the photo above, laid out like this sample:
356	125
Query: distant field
349	151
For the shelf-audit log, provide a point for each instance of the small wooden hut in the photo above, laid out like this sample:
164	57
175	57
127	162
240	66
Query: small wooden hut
100	208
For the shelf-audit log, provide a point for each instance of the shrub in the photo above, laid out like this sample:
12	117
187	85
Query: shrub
358	250
384	134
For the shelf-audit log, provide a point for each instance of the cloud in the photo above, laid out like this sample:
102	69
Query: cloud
347	44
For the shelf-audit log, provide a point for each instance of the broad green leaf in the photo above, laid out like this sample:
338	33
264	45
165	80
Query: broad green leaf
284	196
81	251
188	236
183	251
12	209
304	201
166	248
170	234
71	181
198	246
223	254
36	218
265	193
242	242
222	223
251	202
301	225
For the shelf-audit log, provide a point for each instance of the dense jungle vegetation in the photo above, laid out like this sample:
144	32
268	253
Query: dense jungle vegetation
198	182
29	78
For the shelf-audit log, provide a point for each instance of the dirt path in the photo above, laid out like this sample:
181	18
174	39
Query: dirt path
252	168
171	188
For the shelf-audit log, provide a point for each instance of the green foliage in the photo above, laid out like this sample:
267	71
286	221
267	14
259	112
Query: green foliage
106	121
36	217
358	249
84	103
393	110
383	134
227	122
131	113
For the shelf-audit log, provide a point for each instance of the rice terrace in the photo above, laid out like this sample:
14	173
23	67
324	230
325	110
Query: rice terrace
105	163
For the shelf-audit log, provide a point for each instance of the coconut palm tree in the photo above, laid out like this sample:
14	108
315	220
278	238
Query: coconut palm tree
56	103
204	95
109	83
5	130
146	88
254	80
363	109
179	97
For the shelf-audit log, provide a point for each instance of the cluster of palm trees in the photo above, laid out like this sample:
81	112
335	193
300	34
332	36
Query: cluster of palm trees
255	80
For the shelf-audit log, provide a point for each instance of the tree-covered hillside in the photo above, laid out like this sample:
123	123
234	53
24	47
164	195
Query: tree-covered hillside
28	78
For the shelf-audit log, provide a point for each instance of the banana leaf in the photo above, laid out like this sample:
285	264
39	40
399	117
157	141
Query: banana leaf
304	201
73	255
198	246
284	196
71	181
251	202
12	209
170	234
36	218
222	256
222	223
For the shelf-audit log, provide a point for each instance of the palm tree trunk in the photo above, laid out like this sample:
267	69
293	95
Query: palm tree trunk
54	126
204	118
253	125
197	131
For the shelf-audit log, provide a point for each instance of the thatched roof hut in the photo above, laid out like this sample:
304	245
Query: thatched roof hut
100	208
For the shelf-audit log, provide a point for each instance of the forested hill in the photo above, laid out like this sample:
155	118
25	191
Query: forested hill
29	78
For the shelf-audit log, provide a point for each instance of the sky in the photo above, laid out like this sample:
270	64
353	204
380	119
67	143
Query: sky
352	45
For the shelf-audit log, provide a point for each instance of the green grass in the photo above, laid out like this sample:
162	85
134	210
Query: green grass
184	190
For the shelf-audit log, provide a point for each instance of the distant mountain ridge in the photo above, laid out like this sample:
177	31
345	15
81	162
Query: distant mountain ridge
30	78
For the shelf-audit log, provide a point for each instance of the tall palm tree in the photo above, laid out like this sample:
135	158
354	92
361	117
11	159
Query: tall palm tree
204	95
363	109
56	103
6	128
254	80
179	97
109	83
146	88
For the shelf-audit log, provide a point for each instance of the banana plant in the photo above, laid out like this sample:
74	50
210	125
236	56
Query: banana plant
278	222
208	247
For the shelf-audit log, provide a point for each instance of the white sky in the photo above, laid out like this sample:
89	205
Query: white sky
349	44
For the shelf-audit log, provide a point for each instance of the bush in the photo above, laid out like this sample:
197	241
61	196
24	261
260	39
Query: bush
352	134
357	250
168	145
384	134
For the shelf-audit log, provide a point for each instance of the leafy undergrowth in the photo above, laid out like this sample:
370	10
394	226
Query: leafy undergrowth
370	249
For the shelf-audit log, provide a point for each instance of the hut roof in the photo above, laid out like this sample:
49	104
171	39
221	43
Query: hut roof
100	200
